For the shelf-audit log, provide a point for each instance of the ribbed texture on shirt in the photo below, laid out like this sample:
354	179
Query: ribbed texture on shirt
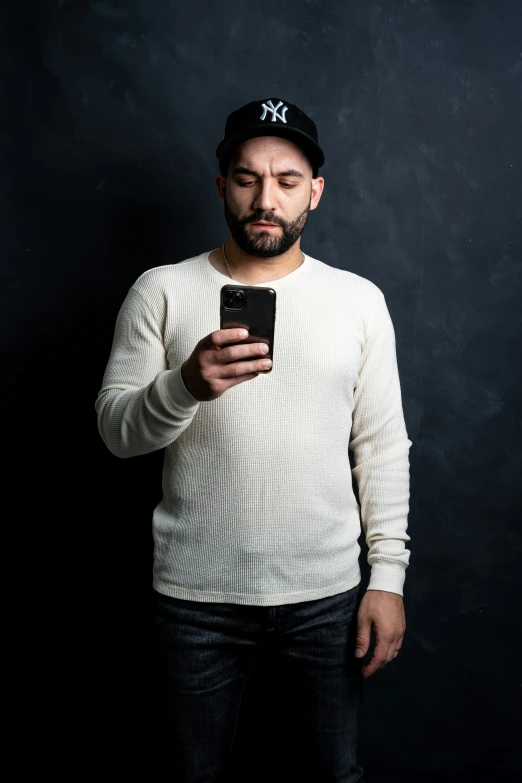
258	506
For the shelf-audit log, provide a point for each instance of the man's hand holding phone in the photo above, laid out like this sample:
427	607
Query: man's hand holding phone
215	365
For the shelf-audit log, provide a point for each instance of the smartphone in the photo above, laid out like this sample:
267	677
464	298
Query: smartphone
253	308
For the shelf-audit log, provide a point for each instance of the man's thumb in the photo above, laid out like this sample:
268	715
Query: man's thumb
362	641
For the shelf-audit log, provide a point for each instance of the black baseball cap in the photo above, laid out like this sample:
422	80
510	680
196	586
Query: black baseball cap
271	117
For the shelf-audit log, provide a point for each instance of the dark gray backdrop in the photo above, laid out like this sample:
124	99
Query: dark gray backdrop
114	111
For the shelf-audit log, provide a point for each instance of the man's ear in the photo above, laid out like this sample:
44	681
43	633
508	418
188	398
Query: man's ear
220	185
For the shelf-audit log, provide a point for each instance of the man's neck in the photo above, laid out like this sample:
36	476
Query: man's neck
251	276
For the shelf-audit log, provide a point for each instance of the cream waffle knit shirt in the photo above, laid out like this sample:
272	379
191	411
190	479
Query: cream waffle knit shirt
258	506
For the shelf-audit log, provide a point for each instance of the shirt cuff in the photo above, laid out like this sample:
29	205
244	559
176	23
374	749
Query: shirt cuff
387	577
177	397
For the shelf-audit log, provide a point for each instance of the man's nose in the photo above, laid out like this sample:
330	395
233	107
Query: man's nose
265	199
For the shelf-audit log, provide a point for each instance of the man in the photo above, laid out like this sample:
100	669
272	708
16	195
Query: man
255	539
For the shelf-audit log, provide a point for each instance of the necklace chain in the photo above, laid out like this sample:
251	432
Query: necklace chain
230	273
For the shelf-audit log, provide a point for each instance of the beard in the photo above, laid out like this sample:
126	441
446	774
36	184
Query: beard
265	244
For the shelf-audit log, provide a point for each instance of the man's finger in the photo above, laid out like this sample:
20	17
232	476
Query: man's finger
362	641
377	661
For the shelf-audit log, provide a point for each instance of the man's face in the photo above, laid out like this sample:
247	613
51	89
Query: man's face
269	179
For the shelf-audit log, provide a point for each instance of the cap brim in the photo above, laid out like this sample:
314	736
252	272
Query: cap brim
313	150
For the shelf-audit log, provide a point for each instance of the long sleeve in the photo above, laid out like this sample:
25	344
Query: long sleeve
142	405
381	446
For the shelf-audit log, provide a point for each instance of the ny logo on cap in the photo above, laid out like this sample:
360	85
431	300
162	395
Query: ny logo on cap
273	109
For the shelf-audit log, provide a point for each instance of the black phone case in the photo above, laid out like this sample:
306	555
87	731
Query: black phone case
258	316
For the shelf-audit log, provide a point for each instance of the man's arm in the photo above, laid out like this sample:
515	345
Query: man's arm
380	445
142	405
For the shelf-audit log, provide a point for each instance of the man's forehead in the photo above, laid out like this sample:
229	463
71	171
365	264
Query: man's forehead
270	149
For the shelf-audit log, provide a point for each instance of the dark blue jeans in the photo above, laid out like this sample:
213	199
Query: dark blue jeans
204	656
